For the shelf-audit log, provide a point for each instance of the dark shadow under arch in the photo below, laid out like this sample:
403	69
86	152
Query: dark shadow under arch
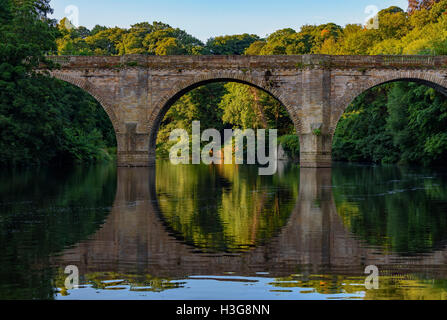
89	88
344	102
105	108
365	134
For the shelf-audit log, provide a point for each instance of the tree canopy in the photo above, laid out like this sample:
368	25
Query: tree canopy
42	120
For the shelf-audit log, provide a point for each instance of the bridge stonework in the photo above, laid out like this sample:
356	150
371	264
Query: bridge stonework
137	90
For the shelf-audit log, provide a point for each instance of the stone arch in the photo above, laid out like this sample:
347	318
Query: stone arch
164	104
354	89
89	87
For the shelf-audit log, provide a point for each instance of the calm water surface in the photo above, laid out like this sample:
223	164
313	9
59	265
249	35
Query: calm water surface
223	232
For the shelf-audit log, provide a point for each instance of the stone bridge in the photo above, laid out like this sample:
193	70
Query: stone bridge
136	90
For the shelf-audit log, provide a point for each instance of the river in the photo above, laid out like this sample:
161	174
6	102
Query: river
223	232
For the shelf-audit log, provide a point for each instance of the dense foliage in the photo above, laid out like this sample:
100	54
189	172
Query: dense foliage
399	123
415	5
224	106
42	120
424	30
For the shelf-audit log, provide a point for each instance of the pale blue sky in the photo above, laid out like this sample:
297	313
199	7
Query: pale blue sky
206	18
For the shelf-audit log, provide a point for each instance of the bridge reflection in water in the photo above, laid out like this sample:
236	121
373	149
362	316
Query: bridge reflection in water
135	239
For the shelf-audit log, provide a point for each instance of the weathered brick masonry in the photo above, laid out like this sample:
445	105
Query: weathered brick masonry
137	90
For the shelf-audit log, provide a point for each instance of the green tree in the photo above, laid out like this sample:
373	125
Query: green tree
230	45
107	42
39	119
167	40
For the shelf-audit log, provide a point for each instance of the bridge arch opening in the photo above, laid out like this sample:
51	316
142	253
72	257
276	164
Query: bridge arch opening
93	124
400	120
221	99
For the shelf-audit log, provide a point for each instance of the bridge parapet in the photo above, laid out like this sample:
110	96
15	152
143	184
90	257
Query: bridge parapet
256	62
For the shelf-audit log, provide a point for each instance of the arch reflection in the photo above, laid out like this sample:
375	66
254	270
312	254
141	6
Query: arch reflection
314	239
223	208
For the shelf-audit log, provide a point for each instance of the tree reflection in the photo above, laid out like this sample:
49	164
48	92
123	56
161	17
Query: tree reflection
399	209
223	208
41	213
